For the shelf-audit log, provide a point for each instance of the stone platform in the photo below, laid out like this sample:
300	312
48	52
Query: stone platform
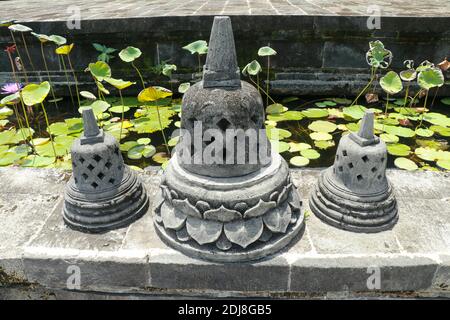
321	44
36	249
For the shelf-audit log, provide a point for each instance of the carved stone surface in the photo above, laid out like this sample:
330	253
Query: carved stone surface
354	194
226	211
103	193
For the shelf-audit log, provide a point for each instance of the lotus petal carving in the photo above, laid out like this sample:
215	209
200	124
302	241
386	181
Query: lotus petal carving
186	207
222	214
244	232
203	231
278	219
259	209
172	218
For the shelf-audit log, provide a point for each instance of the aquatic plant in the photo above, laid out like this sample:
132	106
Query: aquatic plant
129	55
199	47
105	52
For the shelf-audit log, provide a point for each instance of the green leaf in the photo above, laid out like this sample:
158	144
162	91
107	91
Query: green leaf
199	46
444	164
11	99
446	101
324	144
430	78
183	87
322	126
19	28
299	161
315	113
161	157
443	131
139	151
58	40
266	51
98	107
252	68
88	95
119	83
119	109
391	83
296	147
286	116
400	131
35	93
404	163
424	132
378	56
100	70
168	68
5	112
128	145
37	161
310	154
130	54
389	138
408	75
321	136
398	149
41	37
279	146
324	104
355	112
277	134
275	108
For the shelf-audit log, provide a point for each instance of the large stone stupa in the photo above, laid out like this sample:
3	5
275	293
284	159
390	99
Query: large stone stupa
234	203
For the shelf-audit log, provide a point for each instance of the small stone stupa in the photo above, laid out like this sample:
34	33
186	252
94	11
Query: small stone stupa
102	193
354	194
236	209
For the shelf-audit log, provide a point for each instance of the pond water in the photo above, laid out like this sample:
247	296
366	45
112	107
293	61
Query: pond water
309	130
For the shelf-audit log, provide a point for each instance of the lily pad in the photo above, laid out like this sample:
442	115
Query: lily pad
119	83
153	94
266	51
286	116
404	163
183	87
129	54
322	126
199	47
252	68
324	104
88	95
443	131
65	49
324	144
430	78
100	70
277	134
391	83
119	109
279	146
139	151
35	93
37	161
310	154
398	149
275	108
400	131
389	138
315	113
444	164
321	136
161	157
424	132
355	112
296	147
299	161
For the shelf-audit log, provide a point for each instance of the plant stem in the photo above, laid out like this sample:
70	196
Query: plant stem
267	82
199	64
139	73
259	88
48	74
123	107
75	78
28	52
48	127
387	105
26	120
162	130
424	108
18	53
434	97
19	122
372	77
67	79
406	95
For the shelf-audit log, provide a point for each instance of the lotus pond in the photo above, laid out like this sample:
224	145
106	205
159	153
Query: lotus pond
37	128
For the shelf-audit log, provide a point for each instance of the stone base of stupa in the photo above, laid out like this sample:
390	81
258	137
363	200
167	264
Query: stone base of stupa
339	207
228	219
107	210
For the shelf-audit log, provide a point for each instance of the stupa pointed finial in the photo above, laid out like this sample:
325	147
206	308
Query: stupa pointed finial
365	135
92	134
221	67
366	128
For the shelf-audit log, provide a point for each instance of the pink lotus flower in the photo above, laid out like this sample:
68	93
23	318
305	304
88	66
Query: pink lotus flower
11	88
